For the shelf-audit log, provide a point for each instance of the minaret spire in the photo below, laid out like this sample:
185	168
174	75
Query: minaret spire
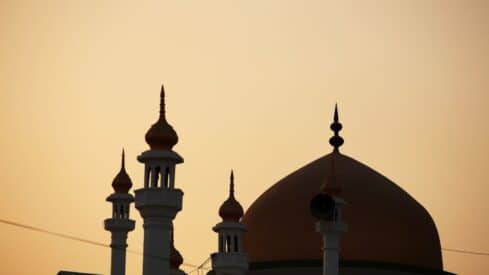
162	103
123	160
336	141
231	184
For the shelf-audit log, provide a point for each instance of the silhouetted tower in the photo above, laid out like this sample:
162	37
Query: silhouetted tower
159	201
120	224
230	258
327	207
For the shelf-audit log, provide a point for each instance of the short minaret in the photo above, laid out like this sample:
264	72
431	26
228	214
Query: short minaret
327	207
230	258
120	224
159	201
176	260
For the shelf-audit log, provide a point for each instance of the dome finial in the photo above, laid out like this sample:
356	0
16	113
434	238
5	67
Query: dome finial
122	182
161	135
231	184
231	210
336	141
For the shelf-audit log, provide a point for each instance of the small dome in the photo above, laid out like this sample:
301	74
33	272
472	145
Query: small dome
176	259
122	182
231	210
161	135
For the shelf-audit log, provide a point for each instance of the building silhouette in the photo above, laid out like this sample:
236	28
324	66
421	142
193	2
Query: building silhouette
333	216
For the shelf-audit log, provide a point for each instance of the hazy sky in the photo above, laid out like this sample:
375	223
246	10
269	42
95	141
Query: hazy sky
250	85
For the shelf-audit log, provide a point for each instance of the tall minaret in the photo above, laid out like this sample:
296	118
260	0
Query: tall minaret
327	207
230	258
120	224
159	201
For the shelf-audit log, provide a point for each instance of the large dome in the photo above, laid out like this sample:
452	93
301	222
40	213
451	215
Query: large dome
385	224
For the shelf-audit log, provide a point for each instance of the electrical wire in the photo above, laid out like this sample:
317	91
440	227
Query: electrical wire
65	236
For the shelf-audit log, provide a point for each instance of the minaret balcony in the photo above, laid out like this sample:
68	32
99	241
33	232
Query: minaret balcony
158	202
156	156
229	260
119	225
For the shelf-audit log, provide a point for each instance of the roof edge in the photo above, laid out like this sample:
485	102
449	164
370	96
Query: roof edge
348	264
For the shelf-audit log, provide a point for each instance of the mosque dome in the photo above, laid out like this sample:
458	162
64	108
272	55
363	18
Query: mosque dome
385	224
231	209
122	182
161	135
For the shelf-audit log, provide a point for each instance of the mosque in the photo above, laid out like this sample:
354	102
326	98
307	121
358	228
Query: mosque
333	216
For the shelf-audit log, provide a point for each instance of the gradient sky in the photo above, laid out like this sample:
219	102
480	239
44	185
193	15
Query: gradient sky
250	85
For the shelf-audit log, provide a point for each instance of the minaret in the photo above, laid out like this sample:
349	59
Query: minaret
159	201
327	207
120	224
230	258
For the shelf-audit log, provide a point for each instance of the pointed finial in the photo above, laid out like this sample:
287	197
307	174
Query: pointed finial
335	118
336	141
231	184
123	161
162	102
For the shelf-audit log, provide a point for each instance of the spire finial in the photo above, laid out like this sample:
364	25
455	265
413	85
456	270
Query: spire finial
231	184
162	102
335	112
123	160
336	141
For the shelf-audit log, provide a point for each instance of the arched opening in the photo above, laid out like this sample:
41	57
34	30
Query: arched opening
167	177
228	243
156	176
121	213
147	175
235	243
221	244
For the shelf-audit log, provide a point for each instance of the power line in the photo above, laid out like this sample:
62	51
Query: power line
196	267
65	236
466	252
201	266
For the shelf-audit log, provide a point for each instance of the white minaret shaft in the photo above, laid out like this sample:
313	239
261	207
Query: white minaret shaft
331	231
118	254
120	224
230	258
158	201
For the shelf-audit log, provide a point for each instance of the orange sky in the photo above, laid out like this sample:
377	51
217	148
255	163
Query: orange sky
250	86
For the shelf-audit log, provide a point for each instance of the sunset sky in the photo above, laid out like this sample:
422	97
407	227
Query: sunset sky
250	85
